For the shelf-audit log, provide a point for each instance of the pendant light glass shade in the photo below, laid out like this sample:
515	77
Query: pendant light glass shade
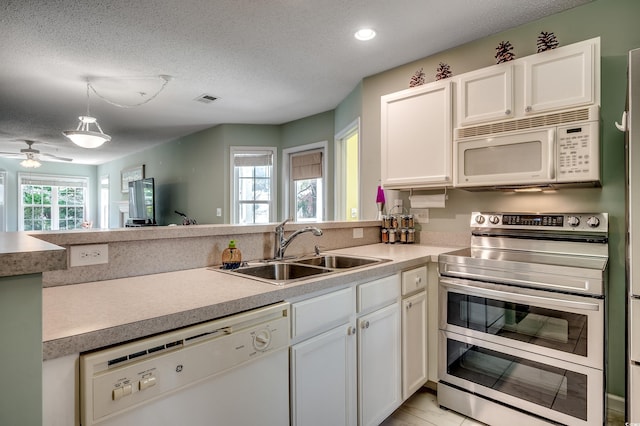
83	136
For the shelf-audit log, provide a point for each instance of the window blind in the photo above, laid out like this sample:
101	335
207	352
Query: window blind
306	166
252	160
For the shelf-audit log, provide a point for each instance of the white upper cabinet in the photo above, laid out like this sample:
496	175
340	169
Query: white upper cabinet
559	78
485	95
563	78
416	142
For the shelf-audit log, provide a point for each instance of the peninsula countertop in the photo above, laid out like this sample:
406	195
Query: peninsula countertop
21	254
87	316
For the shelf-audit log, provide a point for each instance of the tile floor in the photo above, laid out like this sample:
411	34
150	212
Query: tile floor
422	409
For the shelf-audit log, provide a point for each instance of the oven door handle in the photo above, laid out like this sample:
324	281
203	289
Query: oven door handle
521	298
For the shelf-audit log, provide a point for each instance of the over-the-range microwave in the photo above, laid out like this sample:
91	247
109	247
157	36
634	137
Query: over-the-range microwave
559	149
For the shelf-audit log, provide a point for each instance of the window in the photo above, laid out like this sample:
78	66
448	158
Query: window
3	200
50	202
253	184
104	202
347	166
305	176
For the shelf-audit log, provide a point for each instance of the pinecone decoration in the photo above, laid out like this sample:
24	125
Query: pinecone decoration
546	41
443	71
417	79
503	52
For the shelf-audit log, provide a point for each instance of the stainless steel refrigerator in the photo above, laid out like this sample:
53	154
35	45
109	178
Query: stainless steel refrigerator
632	126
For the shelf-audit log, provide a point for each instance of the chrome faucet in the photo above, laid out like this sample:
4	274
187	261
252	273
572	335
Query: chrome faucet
282	243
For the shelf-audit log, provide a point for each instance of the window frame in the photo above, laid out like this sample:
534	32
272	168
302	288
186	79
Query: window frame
340	175
288	183
53	181
234	179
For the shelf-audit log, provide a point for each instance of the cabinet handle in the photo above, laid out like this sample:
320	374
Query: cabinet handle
351	331
365	324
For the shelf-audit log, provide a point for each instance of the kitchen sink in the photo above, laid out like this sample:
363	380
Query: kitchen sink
281	272
336	261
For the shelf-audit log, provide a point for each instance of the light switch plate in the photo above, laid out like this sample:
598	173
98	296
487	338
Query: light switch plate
88	254
358	232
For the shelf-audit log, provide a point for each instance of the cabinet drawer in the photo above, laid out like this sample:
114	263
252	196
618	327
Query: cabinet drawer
313	316
414	279
378	293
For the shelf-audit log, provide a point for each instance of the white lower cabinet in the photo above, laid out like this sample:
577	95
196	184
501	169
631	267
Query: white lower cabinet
378	365
415	358
346	357
323	360
323	384
414	343
379	362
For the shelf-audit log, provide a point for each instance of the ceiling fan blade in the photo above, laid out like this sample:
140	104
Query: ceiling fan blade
55	157
11	155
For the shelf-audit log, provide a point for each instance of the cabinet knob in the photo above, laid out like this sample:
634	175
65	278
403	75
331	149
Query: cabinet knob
351	331
418	280
409	305
507	112
365	324
528	109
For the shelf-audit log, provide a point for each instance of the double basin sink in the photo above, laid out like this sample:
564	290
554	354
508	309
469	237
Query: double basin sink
283	272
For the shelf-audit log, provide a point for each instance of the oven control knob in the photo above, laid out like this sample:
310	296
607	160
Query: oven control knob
480	219
494	220
261	340
593	222
573	221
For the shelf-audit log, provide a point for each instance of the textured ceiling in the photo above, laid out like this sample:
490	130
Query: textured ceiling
268	61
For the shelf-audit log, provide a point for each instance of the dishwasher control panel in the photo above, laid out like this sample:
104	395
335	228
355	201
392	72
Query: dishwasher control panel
122	377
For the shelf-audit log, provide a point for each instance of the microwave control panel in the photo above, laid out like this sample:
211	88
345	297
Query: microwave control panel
578	153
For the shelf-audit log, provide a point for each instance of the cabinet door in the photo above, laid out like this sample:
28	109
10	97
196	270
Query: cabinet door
379	378
559	78
415	136
414	343
485	95
323	379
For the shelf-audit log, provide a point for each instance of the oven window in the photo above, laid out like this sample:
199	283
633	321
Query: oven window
560	390
564	331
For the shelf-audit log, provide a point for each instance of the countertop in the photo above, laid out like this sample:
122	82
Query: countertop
21	254
87	316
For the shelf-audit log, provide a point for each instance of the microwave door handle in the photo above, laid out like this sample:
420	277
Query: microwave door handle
520	298
552	154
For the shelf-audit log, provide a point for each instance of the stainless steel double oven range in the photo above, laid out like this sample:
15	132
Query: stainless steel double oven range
522	320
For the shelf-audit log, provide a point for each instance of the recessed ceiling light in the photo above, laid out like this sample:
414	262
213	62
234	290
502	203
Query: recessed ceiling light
365	34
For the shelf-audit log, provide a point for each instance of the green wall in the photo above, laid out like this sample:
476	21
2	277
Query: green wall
616	22
21	349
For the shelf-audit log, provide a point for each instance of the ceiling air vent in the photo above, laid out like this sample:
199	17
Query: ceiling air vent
205	99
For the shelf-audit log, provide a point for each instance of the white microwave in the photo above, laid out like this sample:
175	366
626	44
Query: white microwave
549	156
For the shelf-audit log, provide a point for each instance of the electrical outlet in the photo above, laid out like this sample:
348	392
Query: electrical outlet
218	212
358	232
89	254
420	215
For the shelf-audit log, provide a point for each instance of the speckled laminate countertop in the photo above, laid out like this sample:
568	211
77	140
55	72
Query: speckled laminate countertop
83	317
21	254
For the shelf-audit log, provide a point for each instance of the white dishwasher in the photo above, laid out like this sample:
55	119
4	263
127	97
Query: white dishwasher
230	371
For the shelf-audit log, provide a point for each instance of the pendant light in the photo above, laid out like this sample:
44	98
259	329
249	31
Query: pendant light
83	136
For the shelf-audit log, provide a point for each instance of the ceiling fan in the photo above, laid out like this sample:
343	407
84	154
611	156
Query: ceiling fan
32	155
